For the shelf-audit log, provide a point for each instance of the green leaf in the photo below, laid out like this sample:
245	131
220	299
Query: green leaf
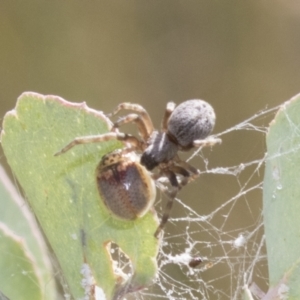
63	194
282	199
18	218
18	275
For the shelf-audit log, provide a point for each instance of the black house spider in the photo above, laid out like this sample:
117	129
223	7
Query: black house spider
124	183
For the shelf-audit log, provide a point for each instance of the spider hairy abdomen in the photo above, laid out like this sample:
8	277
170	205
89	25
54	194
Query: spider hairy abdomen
191	120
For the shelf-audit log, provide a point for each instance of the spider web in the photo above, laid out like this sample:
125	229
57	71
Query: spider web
225	240
227	243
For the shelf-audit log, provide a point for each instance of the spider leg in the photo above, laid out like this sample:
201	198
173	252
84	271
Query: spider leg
135	143
184	173
144	116
171	195
169	109
138	120
210	141
187	172
185	165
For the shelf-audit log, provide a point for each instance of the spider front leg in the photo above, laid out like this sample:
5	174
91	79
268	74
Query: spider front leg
142	118
134	118
133	141
169	109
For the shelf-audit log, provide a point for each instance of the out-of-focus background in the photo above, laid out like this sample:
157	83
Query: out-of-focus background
241	56
238	55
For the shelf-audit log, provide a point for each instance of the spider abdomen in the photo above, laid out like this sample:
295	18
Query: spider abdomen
125	186
191	120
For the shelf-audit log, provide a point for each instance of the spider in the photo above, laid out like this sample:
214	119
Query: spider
125	179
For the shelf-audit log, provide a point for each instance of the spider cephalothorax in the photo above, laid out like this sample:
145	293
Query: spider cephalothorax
124	183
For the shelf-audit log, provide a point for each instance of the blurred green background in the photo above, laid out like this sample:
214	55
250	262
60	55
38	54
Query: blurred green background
241	56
